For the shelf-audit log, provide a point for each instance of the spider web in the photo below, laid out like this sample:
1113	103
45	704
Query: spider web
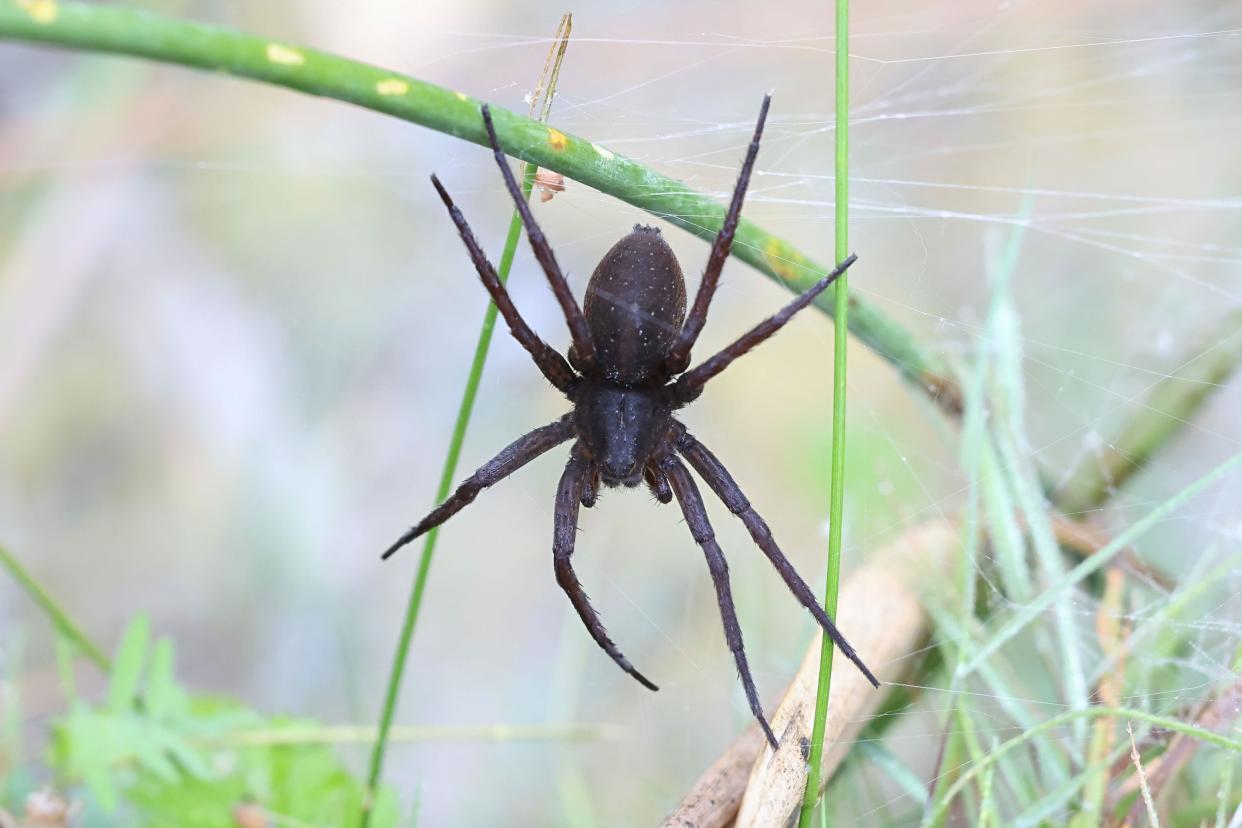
233	354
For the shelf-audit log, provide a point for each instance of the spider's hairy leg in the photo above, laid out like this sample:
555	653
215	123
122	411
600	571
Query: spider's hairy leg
584	345
690	384
552	364
696	518
515	455
565	531
679	355
726	488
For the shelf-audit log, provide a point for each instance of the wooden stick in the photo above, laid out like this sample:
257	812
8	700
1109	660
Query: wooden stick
882	614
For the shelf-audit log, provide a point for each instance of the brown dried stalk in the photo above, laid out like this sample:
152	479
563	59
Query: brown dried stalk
1218	716
883	615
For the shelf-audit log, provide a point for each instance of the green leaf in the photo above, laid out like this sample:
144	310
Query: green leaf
127	666
169	758
164	697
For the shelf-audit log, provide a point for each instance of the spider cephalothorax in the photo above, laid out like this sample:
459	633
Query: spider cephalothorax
626	375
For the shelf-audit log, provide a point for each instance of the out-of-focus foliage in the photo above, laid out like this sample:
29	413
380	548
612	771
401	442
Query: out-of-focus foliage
154	754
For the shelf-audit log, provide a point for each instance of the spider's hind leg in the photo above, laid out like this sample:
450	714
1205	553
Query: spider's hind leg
569	494
515	455
696	518
726	488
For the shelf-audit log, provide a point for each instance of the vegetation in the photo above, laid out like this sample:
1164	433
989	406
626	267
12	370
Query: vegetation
1036	604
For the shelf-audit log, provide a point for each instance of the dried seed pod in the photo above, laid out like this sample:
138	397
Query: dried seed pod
549	183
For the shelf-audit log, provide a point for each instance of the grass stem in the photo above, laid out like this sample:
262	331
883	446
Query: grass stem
60	619
116	30
551	71
837	484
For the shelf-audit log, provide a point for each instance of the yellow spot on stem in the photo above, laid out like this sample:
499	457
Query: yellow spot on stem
462	96
779	260
392	86
40	11
603	153
557	139
284	55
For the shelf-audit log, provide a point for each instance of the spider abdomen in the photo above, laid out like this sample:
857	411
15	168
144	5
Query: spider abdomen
635	305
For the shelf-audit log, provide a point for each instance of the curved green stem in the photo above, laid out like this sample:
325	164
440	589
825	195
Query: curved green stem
1166	409
140	34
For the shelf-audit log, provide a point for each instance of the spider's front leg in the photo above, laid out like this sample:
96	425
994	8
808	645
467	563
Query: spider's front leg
679	355
552	364
696	518
690	384
579	331
569	494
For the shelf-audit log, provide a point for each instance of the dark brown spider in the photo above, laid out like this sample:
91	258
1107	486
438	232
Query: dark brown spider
628	346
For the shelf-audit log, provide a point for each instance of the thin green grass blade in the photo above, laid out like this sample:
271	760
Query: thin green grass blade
449	471
1093	563
60	619
840	342
898	771
129	663
988	816
1012	447
1009	699
968	775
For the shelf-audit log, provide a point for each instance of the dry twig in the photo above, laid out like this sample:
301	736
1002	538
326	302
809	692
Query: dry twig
883	615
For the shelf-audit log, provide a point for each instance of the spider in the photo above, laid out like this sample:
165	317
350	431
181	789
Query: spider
625	376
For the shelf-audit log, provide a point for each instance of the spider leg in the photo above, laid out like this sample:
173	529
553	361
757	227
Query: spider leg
515	455
696	518
584	346
690	384
679	356
568	496
726	488
552	364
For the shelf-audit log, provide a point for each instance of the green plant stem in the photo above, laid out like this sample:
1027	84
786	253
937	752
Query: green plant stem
551	71
447	475
1028	612
1169	406
60	619
1211	737
836	513
352	734
105	28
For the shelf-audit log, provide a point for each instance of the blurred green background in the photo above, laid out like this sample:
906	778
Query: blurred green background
235	324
